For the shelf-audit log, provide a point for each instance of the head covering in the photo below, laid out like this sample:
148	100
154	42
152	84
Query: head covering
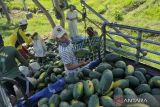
58	32
23	22
72	7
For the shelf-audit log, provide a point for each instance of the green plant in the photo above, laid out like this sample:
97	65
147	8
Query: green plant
118	16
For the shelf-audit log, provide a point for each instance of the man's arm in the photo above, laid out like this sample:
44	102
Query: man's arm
21	58
65	57
74	66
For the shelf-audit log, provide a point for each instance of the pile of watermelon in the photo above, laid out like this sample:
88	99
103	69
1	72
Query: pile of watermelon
110	84
52	68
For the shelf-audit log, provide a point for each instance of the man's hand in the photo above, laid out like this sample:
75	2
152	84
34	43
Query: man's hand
25	45
83	62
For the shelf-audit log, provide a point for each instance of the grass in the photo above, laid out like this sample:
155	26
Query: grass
142	13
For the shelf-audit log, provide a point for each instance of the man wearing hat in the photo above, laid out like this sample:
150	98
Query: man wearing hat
66	50
9	68
19	37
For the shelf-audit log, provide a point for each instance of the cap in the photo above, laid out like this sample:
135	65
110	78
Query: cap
58	31
23	22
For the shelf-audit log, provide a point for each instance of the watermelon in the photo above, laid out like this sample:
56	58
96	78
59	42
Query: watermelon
64	104
129	93
133	81
148	77
44	105
94	75
155	91
120	64
42	101
78	104
102	67
88	88
78	90
154	82
150	100
82	53
105	81
66	95
142	88
95	84
70	87
140	77
71	79
118	92
110	93
107	101
93	101
85	71
38	73
143	70
55	99
122	83
129	70
111	57
118	73
42	77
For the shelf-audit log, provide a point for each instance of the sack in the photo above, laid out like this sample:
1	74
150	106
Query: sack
50	90
24	70
35	66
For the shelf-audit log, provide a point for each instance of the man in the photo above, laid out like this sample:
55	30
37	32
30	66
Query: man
19	38
93	39
72	17
66	51
9	68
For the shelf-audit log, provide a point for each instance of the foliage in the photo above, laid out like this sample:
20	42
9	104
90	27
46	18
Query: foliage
143	13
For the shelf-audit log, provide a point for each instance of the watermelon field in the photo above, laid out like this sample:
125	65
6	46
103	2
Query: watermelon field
114	82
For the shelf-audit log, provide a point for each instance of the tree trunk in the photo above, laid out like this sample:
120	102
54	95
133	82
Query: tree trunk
5	10
56	4
40	6
24	5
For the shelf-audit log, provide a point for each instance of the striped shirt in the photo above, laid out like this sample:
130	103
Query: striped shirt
67	56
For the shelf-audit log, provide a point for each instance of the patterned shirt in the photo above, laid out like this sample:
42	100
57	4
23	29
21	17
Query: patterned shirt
67	56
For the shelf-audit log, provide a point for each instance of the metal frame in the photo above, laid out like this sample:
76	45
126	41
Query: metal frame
4	98
117	32
139	40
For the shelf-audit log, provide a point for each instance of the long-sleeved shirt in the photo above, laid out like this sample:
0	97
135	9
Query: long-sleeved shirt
11	40
67	56
8	65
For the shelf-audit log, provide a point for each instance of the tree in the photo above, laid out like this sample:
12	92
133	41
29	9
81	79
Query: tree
56	5
25	5
40	6
5	10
